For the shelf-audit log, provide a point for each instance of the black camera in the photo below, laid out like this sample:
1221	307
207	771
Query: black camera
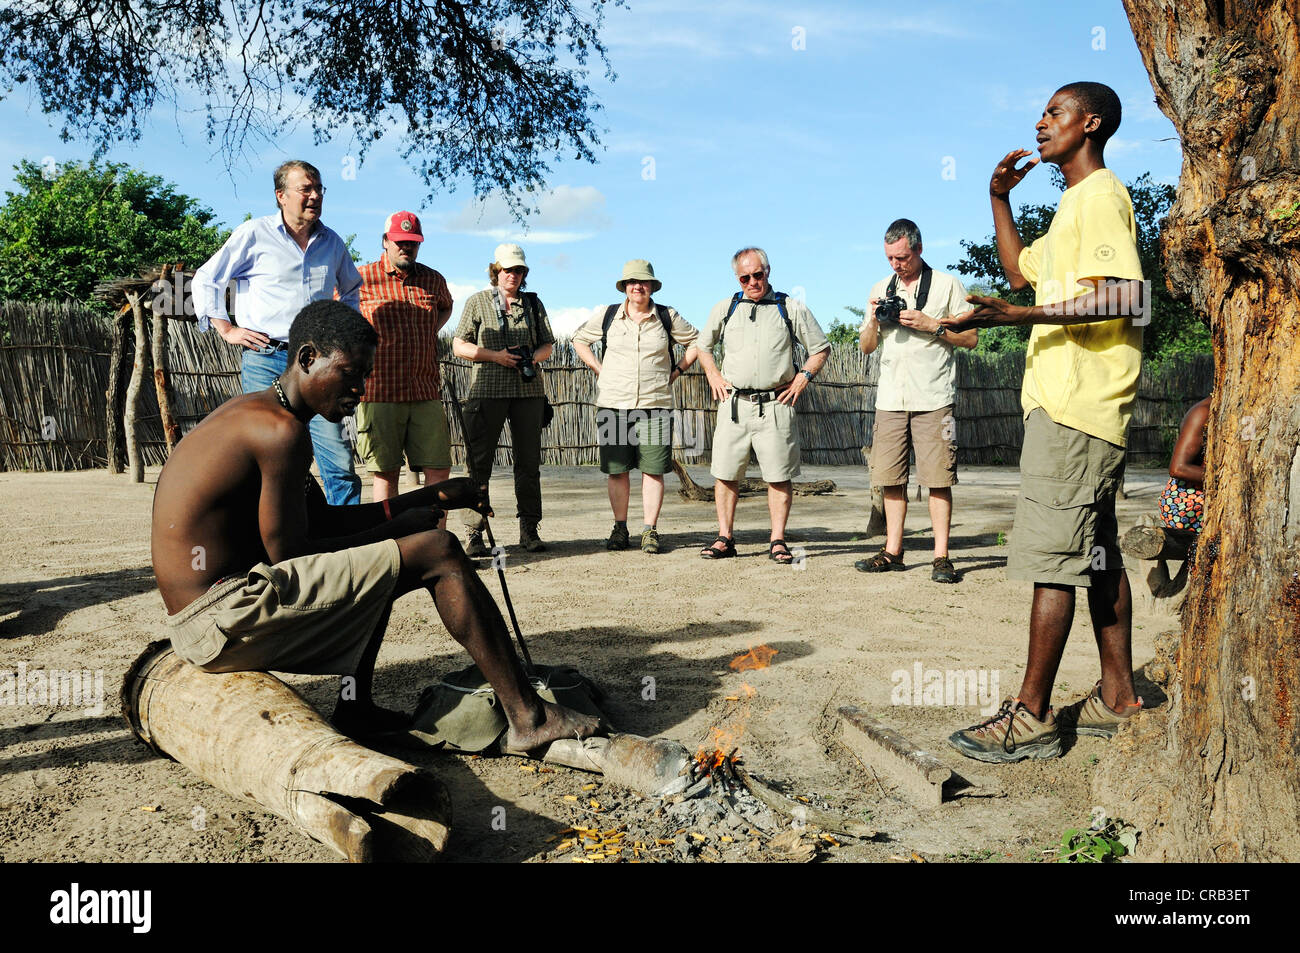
526	368
888	310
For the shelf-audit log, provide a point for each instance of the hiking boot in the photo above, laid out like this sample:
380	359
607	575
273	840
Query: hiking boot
475	548
619	538
883	561
528	537
1013	734
943	571
649	541
1092	716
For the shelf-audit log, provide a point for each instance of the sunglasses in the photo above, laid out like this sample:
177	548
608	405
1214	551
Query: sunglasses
515	270
746	279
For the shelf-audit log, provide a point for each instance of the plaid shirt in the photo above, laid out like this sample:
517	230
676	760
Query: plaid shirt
404	311
481	323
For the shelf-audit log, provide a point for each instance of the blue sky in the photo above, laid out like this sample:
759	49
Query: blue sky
803	128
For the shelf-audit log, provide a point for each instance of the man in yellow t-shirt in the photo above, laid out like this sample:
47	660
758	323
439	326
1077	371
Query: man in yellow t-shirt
1081	371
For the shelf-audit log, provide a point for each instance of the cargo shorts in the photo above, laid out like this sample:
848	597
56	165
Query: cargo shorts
930	434
310	615
389	430
1065	527
769	429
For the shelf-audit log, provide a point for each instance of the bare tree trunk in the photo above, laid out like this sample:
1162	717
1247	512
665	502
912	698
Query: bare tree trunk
113	430
133	391
161	379
1216	777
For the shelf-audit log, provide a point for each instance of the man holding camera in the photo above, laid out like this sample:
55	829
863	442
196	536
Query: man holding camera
916	392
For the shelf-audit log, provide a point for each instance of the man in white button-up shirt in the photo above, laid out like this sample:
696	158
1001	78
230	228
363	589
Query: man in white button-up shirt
915	395
279	264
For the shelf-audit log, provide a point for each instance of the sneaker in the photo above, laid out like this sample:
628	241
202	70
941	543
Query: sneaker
883	561
1092	716
528	537
649	541
618	538
1013	734
475	548
943	571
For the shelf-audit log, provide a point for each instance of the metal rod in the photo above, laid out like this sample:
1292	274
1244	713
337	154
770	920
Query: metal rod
492	543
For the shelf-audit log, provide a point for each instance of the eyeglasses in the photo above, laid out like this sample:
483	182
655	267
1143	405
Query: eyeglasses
310	189
756	276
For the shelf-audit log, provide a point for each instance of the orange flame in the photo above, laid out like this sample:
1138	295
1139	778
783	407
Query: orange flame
760	656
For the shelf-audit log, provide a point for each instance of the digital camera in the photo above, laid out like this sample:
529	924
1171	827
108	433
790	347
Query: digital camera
888	310
526	368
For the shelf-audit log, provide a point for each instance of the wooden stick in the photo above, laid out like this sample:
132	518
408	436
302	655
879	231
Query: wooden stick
133	394
161	381
804	812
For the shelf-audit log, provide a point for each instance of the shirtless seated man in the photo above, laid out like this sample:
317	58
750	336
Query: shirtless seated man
258	572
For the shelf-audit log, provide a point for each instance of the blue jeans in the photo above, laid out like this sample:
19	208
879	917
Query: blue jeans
333	455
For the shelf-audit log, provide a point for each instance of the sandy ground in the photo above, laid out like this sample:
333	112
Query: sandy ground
76	593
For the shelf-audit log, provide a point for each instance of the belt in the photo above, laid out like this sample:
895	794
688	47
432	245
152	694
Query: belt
278	345
754	396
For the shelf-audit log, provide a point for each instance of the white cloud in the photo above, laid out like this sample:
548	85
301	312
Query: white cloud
564	321
564	214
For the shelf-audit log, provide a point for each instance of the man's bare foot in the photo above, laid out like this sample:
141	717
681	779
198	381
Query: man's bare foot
367	720
556	722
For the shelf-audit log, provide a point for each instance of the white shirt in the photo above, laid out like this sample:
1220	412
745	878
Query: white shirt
274	277
918	371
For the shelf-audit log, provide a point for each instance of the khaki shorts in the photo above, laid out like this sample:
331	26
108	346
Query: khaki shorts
310	615
773	436
387	429
1065	525
931	434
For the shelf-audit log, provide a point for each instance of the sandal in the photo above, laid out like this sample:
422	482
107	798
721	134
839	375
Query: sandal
726	552
783	558
883	561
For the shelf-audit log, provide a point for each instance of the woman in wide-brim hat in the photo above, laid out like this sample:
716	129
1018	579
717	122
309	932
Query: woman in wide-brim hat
505	333
634	399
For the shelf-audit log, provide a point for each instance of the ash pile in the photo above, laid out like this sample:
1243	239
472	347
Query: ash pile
713	812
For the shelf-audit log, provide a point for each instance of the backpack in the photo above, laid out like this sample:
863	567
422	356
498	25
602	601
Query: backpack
664	319
780	297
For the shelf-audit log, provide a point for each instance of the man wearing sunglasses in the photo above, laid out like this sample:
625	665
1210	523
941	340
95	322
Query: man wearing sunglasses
279	264
760	380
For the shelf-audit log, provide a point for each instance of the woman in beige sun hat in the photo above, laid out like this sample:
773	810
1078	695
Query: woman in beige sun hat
634	400
505	333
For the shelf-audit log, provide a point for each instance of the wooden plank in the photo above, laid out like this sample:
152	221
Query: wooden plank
917	771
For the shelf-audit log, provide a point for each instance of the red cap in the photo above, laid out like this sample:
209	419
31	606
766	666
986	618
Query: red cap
403	227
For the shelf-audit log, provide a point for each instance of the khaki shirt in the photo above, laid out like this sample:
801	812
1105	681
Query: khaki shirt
918	371
634	369
756	346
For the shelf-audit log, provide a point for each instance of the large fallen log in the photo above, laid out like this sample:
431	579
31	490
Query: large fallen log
690	490
1157	542
255	738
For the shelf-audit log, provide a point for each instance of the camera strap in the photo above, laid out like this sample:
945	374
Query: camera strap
922	291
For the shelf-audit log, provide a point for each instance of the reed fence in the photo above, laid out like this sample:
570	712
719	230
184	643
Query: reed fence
54	367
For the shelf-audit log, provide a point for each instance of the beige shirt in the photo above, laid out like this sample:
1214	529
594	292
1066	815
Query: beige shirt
635	367
918	371
757	354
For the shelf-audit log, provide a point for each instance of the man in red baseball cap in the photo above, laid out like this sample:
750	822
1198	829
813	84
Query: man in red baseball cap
401	414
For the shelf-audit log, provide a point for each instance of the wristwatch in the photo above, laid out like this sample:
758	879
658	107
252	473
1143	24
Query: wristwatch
807	375
941	331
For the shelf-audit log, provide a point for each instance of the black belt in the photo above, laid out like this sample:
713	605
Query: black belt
754	396
278	345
